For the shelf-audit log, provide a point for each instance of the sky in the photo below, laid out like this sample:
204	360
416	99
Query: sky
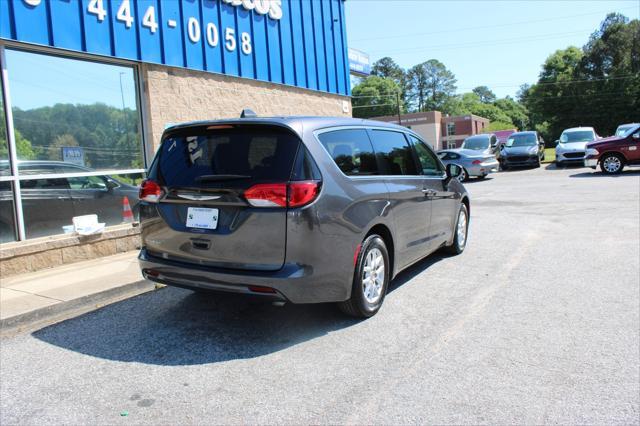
499	44
36	80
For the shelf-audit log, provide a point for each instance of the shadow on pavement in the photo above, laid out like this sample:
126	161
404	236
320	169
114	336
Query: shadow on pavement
476	180
174	326
599	174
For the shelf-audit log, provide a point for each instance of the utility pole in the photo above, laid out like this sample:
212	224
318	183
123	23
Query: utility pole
399	114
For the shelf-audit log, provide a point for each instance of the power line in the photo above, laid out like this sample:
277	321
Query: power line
460	29
475	43
550	83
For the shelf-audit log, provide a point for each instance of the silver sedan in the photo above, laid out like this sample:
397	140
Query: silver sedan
473	163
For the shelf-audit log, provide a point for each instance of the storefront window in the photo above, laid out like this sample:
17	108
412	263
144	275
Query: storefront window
74	111
7	221
72	119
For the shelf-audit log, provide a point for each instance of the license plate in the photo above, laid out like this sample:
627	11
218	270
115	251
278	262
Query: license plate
198	217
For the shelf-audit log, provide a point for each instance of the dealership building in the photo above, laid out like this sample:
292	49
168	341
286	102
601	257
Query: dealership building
88	86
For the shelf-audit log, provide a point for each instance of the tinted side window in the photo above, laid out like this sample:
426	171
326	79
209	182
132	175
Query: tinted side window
87	182
351	150
393	152
428	161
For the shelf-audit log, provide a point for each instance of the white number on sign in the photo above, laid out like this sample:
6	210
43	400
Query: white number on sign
124	13
246	44
230	37
212	34
149	19
193	28
96	7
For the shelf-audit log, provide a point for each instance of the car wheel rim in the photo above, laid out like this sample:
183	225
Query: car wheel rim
462	228
462	176
612	164
373	276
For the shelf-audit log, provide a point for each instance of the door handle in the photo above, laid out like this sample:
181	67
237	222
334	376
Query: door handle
429	192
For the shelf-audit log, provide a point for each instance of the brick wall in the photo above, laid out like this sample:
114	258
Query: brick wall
174	95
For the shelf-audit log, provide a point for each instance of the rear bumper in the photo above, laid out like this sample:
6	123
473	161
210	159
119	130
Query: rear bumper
293	283
484	168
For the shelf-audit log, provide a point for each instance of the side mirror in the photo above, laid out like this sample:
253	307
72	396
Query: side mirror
636	136
557	141
111	185
453	170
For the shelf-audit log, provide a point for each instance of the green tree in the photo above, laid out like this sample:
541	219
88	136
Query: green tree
517	112
23	146
431	85
485	94
598	85
374	97
387	68
494	126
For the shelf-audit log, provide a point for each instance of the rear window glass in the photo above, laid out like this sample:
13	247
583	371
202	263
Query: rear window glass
351	150
198	157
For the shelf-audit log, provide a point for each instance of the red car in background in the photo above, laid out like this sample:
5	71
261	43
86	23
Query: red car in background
616	152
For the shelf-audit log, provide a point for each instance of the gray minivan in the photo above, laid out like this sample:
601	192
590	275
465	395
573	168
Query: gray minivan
297	209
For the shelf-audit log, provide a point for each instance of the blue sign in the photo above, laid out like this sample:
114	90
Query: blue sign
296	42
359	62
73	155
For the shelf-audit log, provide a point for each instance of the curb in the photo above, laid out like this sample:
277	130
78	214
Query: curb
61	311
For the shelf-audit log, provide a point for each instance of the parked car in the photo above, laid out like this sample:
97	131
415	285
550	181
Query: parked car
614	153
485	143
522	149
473	163
502	136
297	209
571	146
49	203
623	128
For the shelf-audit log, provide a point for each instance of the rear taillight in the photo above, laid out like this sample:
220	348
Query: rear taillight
302	193
294	194
150	191
476	162
267	195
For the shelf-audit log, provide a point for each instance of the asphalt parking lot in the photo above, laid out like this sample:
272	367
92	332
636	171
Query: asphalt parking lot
537	322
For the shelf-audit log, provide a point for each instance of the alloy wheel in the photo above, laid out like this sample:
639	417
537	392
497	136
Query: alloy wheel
462	228
373	276
612	164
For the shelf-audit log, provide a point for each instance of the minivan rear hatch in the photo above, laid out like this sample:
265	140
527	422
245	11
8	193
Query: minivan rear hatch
204	174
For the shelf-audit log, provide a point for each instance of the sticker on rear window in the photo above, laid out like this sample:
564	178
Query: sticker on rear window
192	146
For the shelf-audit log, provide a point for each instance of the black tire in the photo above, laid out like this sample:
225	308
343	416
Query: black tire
358	306
608	164
504	167
537	166
457	246
482	177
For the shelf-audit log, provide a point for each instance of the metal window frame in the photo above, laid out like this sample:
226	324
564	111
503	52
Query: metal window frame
15	178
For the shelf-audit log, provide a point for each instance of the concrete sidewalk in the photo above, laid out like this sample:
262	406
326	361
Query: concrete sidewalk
31	299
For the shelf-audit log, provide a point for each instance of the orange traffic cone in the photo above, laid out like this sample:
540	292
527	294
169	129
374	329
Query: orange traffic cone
127	214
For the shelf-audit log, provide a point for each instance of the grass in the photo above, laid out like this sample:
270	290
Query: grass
549	155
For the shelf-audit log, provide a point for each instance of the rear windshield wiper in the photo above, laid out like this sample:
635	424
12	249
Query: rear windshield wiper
217	178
